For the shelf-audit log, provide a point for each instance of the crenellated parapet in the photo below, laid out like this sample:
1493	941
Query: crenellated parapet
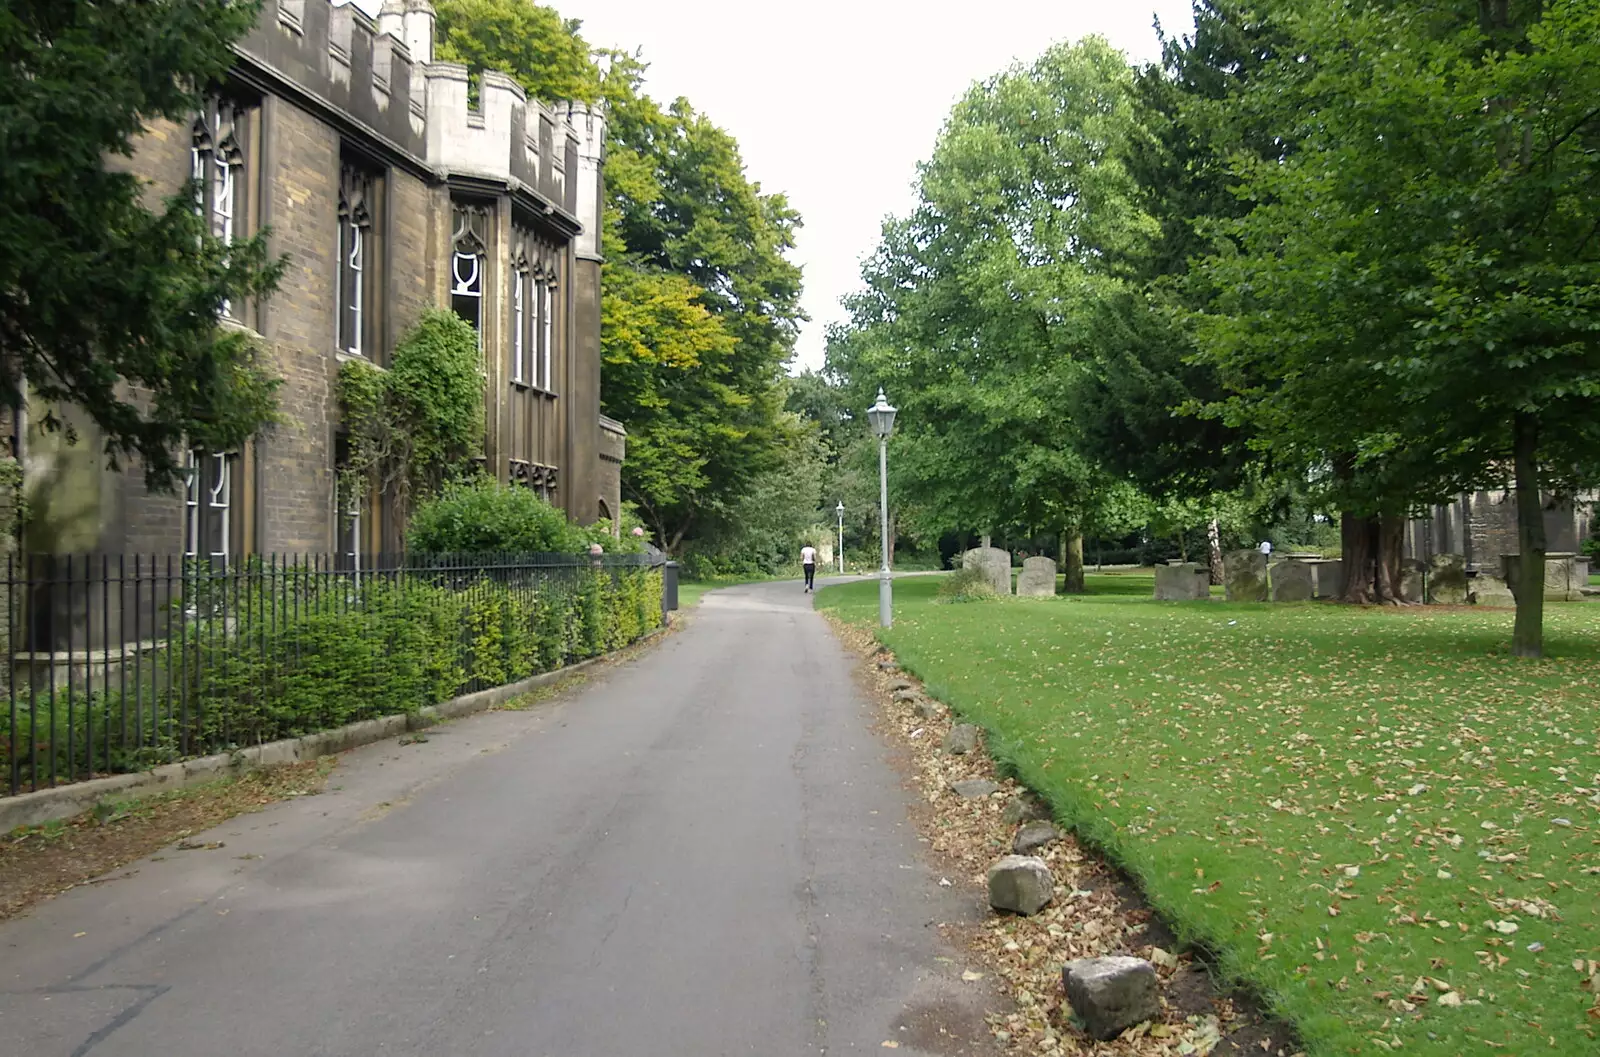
337	56
379	74
507	137
588	123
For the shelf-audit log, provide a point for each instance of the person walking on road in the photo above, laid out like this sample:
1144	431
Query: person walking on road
808	562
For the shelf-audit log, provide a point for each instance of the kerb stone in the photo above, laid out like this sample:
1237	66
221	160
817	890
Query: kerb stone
1111	995
962	739
1021	884
974	788
1033	836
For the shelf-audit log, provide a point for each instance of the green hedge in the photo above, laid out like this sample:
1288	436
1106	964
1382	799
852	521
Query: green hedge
278	656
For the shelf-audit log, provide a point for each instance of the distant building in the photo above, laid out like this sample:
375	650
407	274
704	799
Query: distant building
389	193
1482	527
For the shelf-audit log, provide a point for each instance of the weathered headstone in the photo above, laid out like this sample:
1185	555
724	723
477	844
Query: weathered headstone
1033	836
1111	995
922	708
1182	582
1021	884
1486	590
1293	581
903	696
1037	579
1413	579
974	788
1244	576
1562	579
962	739
1447	580
1327	578
995	563
901	684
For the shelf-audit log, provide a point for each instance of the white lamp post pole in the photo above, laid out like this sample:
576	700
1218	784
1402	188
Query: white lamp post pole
881	417
841	537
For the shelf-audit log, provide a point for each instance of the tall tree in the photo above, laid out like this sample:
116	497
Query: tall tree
981	306
106	304
1414	289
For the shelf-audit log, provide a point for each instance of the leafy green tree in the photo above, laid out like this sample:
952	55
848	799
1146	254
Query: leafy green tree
980	308
530	41
701	305
1413	291
106	304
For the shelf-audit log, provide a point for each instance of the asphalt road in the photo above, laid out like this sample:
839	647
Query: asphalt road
703	851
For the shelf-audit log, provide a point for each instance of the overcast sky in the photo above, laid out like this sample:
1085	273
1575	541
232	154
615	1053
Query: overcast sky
834	102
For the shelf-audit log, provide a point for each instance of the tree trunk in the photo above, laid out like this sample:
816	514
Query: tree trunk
1355	538
986	539
1072	561
1214	541
1527	637
1183	547
1391	551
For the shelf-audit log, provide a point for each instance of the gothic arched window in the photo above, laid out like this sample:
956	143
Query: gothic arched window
217	168
357	246
468	246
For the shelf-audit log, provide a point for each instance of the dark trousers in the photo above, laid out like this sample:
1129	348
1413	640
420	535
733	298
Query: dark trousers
811	576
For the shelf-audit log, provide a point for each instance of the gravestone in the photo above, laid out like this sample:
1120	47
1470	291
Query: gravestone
1182	582
1037	579
1293	581
1447	580
1565	575
1327	578
1413	573
1486	590
1244	576
995	563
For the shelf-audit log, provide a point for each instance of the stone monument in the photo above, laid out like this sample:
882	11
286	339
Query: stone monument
1486	590
1327	577
1037	579
995	563
1182	582
1447	580
1244	576
1565	575
1413	578
1293	581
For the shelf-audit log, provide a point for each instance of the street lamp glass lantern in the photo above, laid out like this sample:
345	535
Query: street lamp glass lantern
840	508
881	417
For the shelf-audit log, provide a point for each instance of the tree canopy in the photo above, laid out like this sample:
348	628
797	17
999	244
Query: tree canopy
107	301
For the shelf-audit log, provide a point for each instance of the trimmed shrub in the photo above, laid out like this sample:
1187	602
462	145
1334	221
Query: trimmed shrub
487	517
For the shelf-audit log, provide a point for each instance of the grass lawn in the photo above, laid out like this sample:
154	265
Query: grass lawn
1376	816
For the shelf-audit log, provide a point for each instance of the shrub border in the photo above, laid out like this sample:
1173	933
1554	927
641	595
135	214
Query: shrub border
65	801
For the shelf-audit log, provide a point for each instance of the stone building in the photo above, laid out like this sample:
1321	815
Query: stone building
1482	528
388	191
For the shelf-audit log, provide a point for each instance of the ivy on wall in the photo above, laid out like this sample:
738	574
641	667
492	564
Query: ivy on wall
419	424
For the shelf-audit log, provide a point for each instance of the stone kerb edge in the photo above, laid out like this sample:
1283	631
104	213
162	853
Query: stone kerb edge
48	805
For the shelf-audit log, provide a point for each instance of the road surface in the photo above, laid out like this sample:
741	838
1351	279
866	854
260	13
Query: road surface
702	851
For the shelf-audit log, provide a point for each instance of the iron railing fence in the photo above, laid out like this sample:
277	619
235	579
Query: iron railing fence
123	662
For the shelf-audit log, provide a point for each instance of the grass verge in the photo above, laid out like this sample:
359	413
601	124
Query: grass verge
40	862
1375	817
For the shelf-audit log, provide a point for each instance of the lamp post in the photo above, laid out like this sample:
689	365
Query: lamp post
881	417
840	511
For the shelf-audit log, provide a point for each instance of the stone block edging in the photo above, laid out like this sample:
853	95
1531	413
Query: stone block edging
65	801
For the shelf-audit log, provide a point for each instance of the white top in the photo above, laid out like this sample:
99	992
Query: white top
808	555
1266	546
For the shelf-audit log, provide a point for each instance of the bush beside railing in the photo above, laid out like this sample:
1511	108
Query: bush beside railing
207	659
